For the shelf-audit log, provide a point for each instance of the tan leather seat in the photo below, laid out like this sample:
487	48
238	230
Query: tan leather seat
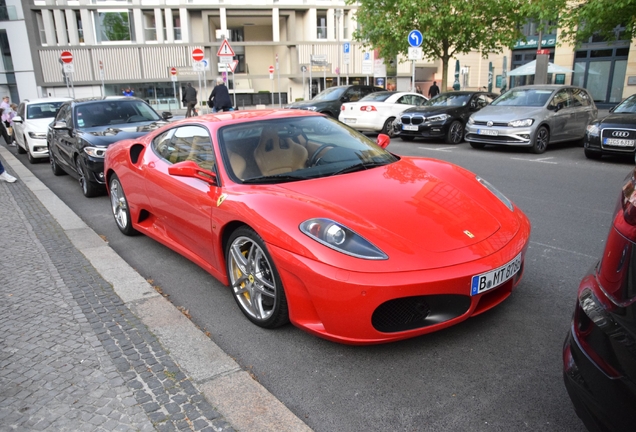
238	164
275	156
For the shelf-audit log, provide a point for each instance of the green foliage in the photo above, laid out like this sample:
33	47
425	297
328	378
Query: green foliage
115	26
600	17
450	27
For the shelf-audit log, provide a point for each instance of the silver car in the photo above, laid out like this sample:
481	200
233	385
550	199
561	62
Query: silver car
533	116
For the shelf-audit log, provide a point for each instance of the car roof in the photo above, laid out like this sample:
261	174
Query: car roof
543	87
45	100
105	99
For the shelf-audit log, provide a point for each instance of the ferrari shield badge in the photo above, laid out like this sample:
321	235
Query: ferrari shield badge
221	199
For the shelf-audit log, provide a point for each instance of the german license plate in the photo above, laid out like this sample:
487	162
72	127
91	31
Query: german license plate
410	127
490	132
619	142
350	120
494	278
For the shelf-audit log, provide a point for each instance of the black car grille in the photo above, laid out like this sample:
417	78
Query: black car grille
414	120
619	134
485	123
408	313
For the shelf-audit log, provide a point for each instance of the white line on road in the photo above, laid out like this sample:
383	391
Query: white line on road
442	149
563	250
542	160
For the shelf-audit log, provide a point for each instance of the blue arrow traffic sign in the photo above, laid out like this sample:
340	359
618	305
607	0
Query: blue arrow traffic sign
346	47
415	38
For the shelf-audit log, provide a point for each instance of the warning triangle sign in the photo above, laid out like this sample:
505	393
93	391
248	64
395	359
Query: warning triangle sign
225	49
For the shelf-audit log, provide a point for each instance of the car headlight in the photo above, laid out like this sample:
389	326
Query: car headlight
495	192
37	135
471	120
98	152
593	129
438	118
340	238
521	123
312	108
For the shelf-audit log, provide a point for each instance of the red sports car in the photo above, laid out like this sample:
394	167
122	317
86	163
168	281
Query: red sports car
311	222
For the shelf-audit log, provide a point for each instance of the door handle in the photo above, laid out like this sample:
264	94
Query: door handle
151	165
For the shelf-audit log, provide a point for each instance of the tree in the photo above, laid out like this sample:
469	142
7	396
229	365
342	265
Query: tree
582	19
450	27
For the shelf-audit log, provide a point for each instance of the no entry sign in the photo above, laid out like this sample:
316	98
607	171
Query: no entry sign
173	71
66	57
271	69
197	54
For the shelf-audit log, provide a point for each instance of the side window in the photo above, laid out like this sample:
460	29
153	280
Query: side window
419	100
187	143
21	110
61	114
579	97
405	100
562	97
355	94
162	146
480	101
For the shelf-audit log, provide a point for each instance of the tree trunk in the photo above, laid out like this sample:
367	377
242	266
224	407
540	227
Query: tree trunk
444	84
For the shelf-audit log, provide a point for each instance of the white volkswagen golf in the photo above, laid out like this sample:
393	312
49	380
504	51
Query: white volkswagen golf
31	123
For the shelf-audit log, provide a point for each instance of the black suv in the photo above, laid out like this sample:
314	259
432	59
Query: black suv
330	100
83	129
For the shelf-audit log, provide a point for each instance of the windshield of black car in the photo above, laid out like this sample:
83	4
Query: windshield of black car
113	112
43	110
627	106
377	97
449	99
523	97
330	94
296	148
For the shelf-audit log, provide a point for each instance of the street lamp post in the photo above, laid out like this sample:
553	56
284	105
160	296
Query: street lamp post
338	15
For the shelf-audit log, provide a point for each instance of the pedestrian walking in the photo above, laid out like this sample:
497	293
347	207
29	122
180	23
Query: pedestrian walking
5	176
220	97
3	128
433	90
12	113
190	100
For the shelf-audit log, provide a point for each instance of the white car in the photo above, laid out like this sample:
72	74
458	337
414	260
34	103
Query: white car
31	123
376	111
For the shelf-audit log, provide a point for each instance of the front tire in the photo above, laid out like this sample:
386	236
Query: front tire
541	140
18	148
388	127
119	206
89	189
455	134
57	171
254	280
30	157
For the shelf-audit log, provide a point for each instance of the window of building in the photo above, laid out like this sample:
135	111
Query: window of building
80	27
6	51
236	34
114	26
176	25
42	32
601	69
150	27
321	25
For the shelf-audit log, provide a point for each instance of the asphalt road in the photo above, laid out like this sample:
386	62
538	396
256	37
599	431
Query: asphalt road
500	371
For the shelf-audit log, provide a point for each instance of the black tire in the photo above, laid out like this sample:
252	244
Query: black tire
455	134
254	280
89	189
18	148
57	171
388	127
119	206
407	138
541	140
477	145
590	154
30	157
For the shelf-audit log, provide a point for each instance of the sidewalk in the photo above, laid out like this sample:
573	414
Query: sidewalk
87	344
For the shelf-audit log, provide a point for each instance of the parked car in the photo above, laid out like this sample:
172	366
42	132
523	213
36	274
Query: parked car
599	354
376	111
331	99
282	205
614	134
443	116
533	116
31	124
82	130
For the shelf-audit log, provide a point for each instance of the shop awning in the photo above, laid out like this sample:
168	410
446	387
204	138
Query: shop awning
530	68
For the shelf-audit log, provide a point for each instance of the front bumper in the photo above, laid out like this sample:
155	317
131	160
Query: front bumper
424	130
94	169
521	137
368	308
594	143
37	148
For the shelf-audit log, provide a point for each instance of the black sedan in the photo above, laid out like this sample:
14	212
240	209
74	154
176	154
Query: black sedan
84	128
614	134
599	355
330	100
444	116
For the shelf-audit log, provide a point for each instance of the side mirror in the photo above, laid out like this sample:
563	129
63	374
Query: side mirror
17	119
345	99
559	107
383	140
60	125
166	115
192	170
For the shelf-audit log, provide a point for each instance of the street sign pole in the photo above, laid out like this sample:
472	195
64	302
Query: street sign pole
413	81
415	40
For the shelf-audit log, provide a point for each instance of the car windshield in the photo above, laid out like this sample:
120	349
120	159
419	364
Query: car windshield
449	99
43	110
377	97
627	106
113	112
297	148
524	97
330	94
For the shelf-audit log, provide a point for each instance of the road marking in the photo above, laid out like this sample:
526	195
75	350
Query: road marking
542	160
443	149
563	250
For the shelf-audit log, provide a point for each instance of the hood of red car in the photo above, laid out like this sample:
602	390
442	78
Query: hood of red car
406	206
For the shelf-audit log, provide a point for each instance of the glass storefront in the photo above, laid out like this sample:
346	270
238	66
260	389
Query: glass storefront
601	69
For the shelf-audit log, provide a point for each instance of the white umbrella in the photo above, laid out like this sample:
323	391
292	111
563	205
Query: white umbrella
530	69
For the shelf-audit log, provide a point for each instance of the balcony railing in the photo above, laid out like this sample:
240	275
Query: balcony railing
8	13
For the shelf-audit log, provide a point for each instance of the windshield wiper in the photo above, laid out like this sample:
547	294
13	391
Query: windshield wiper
274	179
358	167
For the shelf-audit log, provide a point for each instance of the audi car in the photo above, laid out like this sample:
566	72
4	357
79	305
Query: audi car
614	134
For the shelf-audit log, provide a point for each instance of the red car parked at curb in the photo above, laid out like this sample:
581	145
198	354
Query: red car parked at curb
311	222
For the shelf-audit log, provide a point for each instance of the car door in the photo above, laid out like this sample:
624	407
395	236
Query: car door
182	204
582	105
63	139
18	127
562	120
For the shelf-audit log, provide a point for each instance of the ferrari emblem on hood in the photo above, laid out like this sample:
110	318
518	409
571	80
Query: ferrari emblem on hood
469	234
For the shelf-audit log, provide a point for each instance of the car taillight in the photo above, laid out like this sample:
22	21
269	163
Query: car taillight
342	108
367	108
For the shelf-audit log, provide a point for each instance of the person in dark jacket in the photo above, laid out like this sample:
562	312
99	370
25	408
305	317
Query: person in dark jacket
220	97
433	90
190	100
